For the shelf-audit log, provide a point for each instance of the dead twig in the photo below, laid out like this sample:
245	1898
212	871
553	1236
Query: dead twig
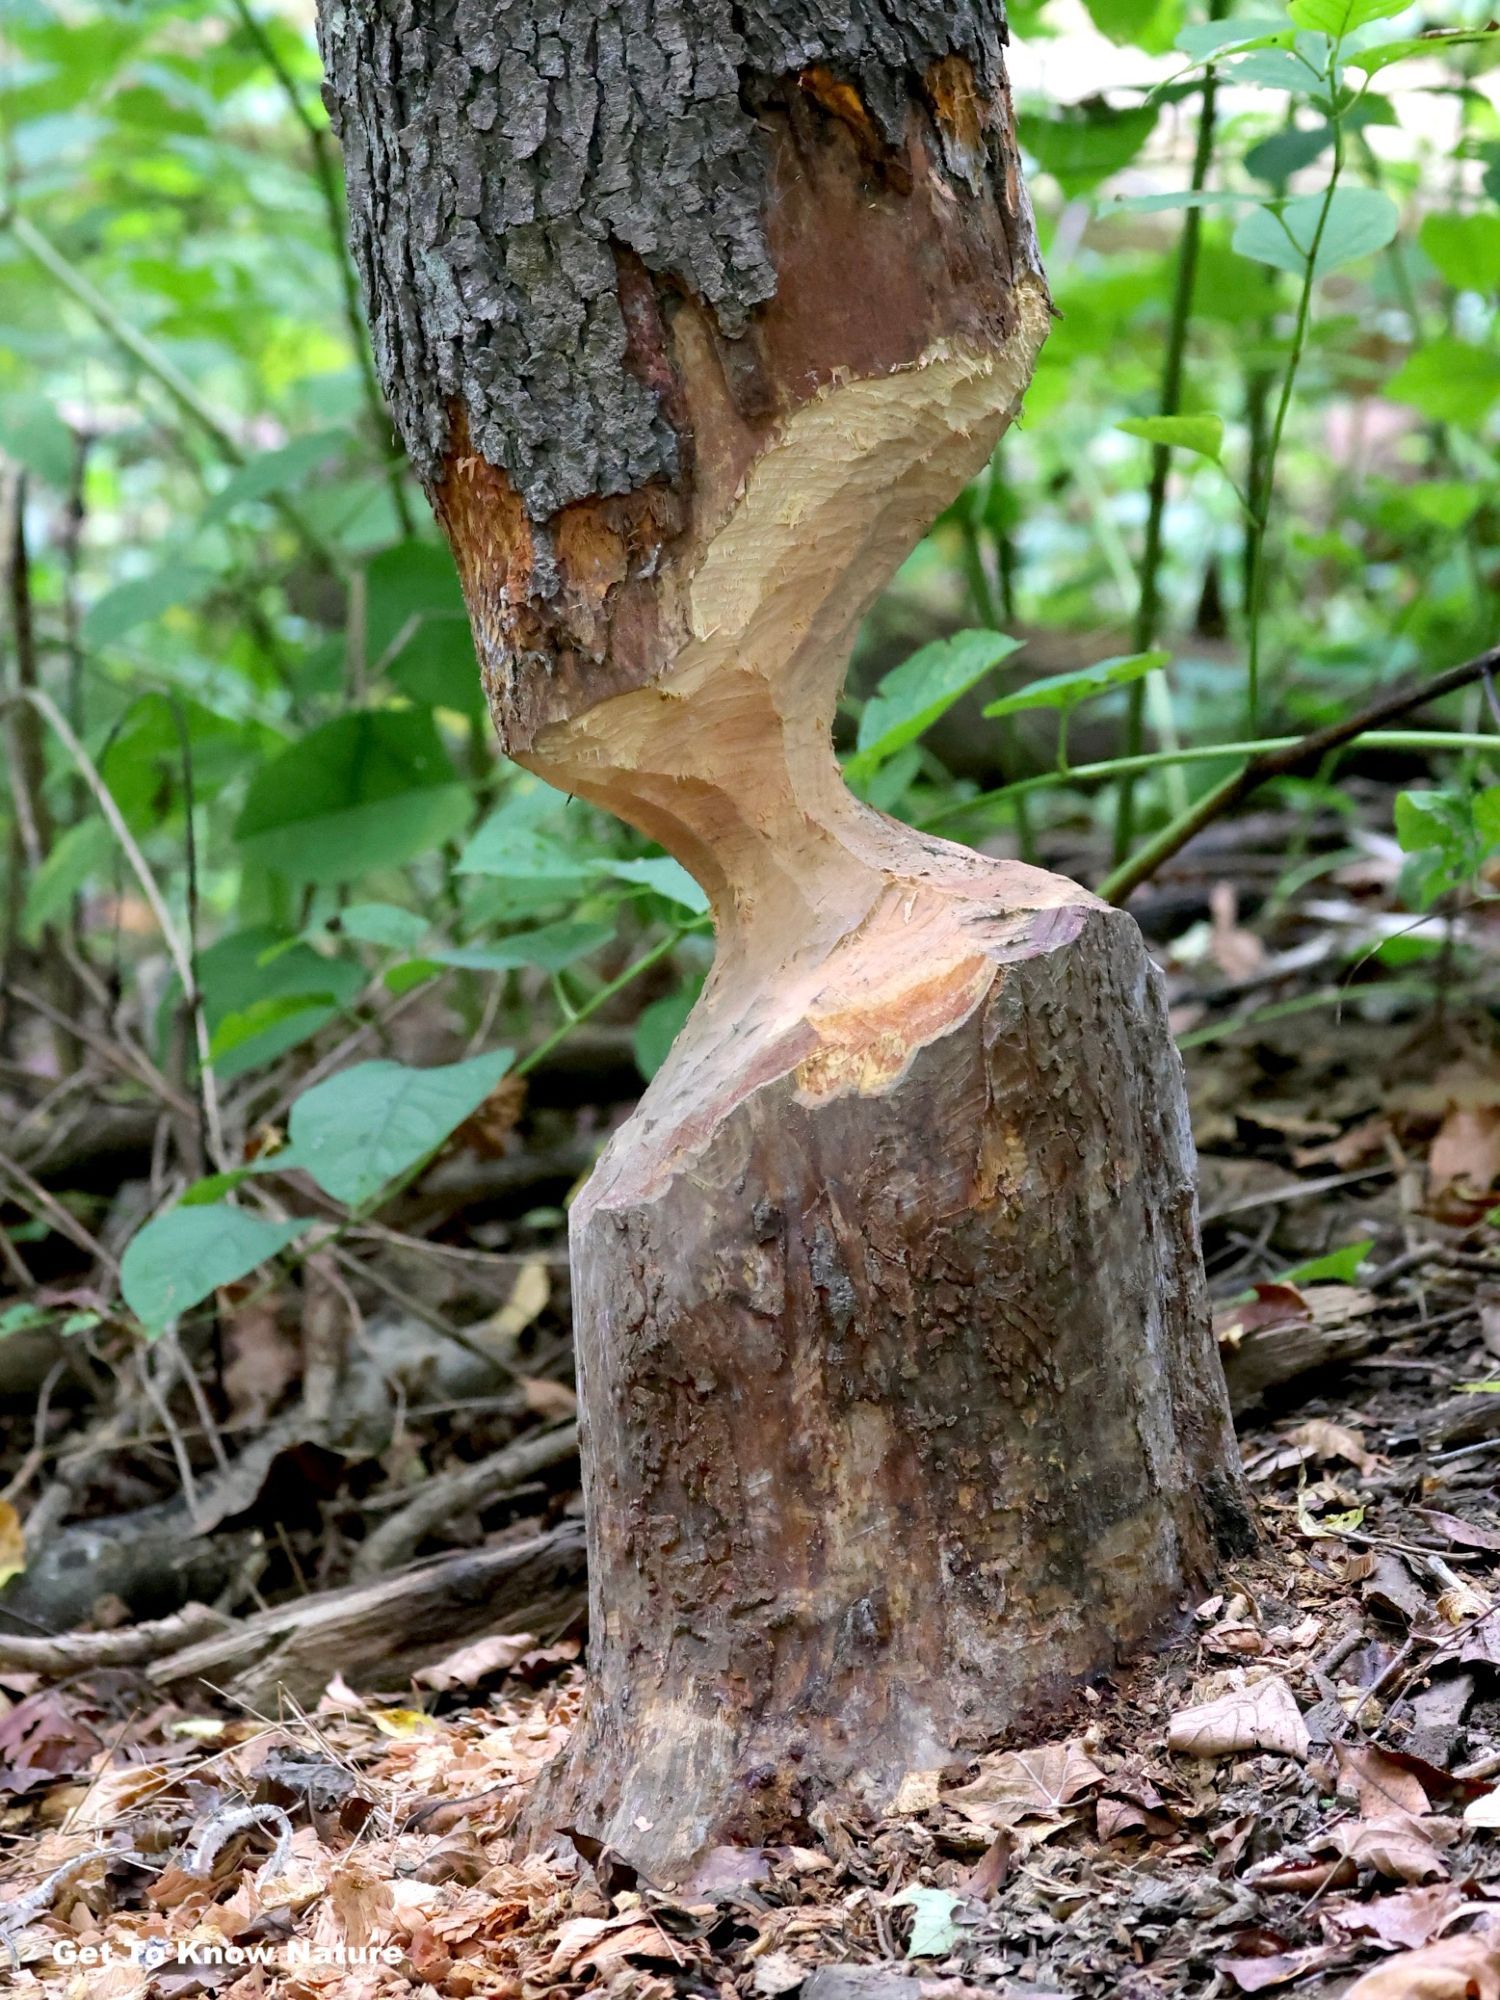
81	1652
455	1492
1305	754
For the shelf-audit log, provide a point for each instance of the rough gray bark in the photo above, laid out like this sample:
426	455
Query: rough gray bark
502	158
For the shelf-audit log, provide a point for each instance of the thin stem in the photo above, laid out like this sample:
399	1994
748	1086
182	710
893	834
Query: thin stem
1261	501
328	188
607	992
177	950
1201	753
989	611
1169	403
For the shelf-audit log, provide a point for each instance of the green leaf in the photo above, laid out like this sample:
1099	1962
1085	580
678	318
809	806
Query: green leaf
384	924
262	1016
1155	204
1359	221
502	847
358	1130
912	696
1337	18
179	1258
361	792
416	627
271	472
933	1931
664	877
1383	54
1141	24
1465	249
553	947
1065	691
143	600
1272	69
1450	834
264	993
34	435
1202	434
1449	381
660	1024
1202	39
1081	144
1337	1267
85	849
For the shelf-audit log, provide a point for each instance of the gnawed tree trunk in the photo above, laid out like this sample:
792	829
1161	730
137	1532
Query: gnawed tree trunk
900	1406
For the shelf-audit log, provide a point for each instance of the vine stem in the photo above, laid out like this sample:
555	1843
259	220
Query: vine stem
1169	403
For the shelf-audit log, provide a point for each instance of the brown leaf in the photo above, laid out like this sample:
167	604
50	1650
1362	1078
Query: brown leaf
1395	1844
1463	1534
44	1737
1393	1590
1406	1919
1464	1163
480	1660
1377	1782
992	1870
1456	1968
1326	1440
1262	1716
1016	1783
1255	1975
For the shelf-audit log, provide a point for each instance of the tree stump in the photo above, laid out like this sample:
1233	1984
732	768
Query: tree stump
900	1407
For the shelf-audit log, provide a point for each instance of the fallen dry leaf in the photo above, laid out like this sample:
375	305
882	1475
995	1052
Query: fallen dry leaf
1377	1783
1407	1918
1261	1716
1456	1968
1277	1968
1463	1166
1016	1783
468	1665
1463	1534
1326	1440
1395	1844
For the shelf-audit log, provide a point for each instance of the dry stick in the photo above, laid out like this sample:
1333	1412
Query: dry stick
177	951
1268	764
78	1652
451	1493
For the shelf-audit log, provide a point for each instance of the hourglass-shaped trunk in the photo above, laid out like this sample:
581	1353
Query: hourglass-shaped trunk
900	1408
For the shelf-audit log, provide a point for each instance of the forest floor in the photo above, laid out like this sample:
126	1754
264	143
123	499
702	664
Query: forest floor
1299	1793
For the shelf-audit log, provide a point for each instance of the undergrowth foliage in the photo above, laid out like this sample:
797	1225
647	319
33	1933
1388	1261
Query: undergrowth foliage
253	817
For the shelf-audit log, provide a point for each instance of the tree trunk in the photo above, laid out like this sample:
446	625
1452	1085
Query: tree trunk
900	1406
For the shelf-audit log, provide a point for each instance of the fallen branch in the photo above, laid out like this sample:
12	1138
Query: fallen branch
80	1652
458	1492
381	1633
1284	762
